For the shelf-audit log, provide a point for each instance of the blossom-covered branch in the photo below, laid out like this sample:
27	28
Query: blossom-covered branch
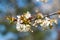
26	21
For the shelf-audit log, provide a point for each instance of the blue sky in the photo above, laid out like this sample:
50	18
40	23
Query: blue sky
4	5
21	3
8	35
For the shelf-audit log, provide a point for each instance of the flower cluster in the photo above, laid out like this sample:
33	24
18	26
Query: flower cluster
45	23
26	21
23	22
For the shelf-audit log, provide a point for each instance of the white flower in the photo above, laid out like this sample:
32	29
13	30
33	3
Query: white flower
46	18
38	21
27	27
27	15
23	27
55	21
45	23
18	16
20	27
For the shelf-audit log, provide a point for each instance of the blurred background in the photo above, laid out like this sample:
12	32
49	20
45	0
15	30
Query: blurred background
17	7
